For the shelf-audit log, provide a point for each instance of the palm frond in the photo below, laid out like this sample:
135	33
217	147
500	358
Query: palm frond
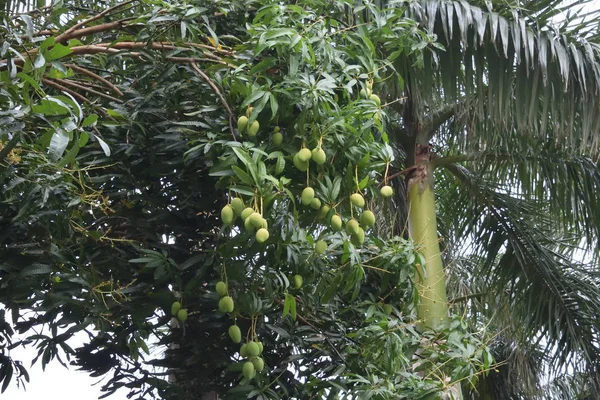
553	299
565	186
506	75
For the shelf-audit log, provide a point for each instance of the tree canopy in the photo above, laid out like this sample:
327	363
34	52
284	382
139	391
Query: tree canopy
151	149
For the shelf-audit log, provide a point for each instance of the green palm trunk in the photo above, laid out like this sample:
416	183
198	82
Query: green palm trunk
422	225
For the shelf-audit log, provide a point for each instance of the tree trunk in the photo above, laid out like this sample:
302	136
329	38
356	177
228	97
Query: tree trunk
432	309
422	226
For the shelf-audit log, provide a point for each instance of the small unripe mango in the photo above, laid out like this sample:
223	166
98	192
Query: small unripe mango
301	165
319	156
259	364
387	309
304	154
182	315
237	205
323	211
262	235
352	226
336	222
315	204
358	238
307	196
277	138
248	225
363	93
242	123
252	349
387	191
260	347
221	288
256	219
376	99
298	280
226	304
227	215
367	218
246	213
244	351
320	247
248	370
253	129
175	307
235	334
357	200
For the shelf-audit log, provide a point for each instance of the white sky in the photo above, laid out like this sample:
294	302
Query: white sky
58	382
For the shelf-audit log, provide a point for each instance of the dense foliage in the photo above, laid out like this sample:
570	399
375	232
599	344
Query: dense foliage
120	148
135	135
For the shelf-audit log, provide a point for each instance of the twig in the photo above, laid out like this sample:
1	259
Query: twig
62	37
64	89
81	87
218	92
95	76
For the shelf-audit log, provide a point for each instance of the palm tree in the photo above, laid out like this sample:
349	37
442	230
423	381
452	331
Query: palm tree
505	120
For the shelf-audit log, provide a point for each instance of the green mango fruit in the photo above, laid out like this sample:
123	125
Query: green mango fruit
242	123
182	315
248	370
307	196
336	222
253	129
226	304
227	215
248	211
352	227
298	280
238	206
235	333
259	364
304	154
175	307
357	200
320	247
252	349
262	235
319	156
221	288
386	191
315	204
367	218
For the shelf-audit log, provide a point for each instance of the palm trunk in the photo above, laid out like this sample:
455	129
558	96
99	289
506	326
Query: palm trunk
432	309
422	226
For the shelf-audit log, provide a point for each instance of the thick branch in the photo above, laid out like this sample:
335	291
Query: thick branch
68	32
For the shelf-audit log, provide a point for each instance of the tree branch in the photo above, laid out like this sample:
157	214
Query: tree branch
65	35
95	76
81	87
64	89
219	94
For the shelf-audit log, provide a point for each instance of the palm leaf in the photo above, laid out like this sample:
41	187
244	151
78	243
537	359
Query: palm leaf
552	299
506	75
